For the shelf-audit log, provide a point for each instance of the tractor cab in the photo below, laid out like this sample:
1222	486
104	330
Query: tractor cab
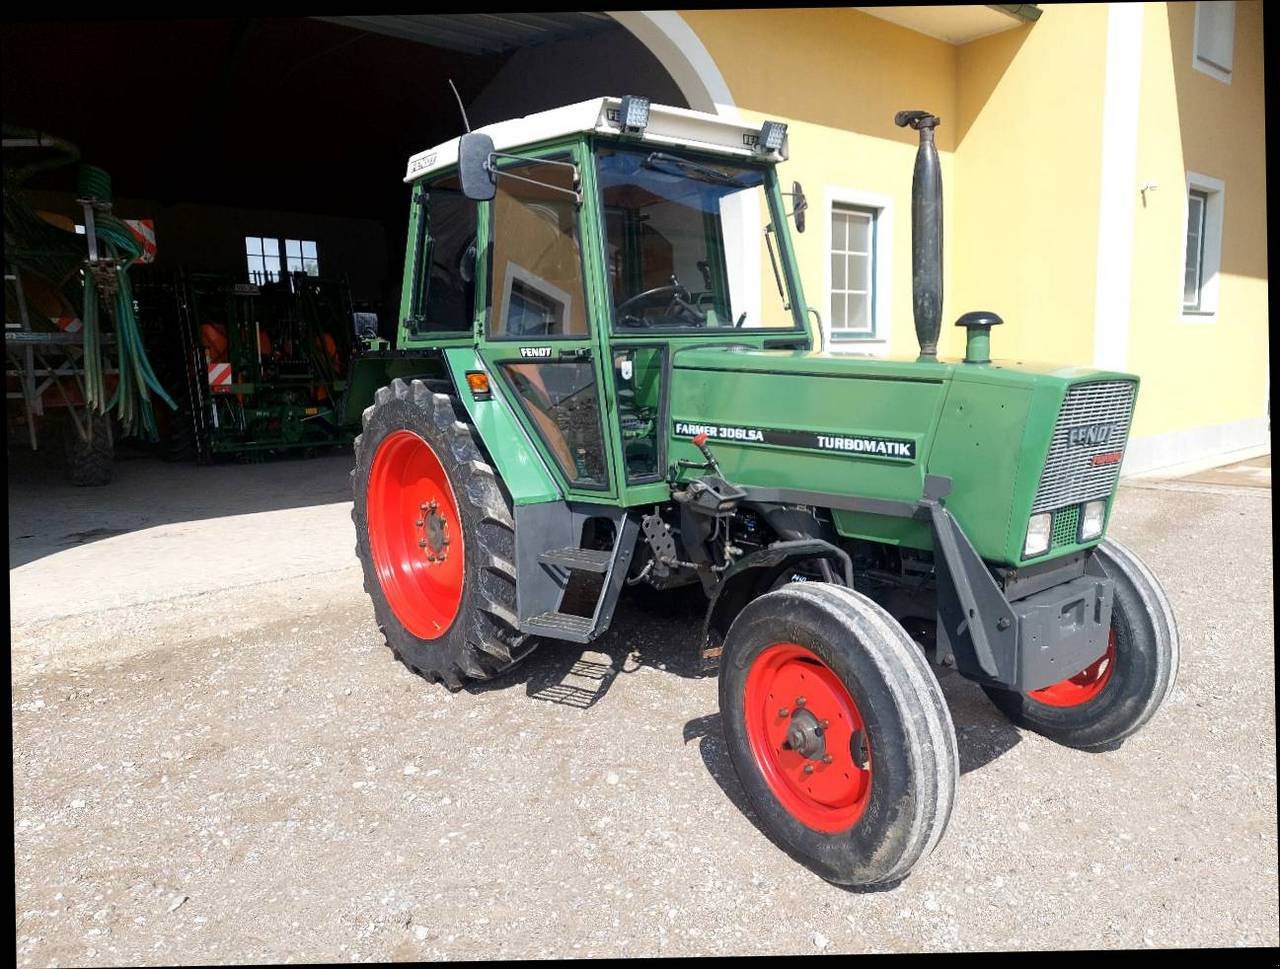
577	250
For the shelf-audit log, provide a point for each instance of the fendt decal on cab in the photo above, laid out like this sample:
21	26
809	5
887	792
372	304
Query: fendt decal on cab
536	353
860	444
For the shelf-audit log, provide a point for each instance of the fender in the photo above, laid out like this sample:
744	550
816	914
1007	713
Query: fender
504	437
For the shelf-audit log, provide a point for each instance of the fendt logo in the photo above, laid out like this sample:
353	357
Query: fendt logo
1090	434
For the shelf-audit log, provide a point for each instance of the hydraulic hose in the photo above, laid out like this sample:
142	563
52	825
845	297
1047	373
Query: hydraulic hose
136	380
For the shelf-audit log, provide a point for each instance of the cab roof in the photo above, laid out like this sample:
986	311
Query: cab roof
667	126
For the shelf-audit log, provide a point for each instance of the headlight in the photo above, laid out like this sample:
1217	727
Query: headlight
1038	530
1095	513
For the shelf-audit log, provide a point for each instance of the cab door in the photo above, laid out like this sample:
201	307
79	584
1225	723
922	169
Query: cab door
539	336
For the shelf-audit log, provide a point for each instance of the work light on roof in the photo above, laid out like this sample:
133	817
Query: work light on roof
634	113
772	134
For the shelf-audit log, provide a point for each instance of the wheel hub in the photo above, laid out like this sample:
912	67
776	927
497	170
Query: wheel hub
804	735
435	532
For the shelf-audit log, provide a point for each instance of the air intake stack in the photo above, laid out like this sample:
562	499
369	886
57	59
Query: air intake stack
926	233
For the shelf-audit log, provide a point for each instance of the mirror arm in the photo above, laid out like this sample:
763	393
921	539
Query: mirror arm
495	171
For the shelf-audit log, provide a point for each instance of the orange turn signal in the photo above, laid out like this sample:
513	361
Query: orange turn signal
478	381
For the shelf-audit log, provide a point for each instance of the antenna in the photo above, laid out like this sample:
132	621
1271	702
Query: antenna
466	124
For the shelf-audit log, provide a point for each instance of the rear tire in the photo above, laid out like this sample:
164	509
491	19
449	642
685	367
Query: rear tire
881	804
449	621
89	464
1115	697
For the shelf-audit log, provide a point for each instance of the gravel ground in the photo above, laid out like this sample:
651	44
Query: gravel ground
247	776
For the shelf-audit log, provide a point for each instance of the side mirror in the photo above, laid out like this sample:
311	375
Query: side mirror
801	203
478	182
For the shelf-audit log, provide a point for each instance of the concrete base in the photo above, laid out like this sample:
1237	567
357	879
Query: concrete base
1186	452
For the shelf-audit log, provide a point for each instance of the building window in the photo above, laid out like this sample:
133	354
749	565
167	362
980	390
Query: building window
300	256
262	256
853	282
1193	276
1215	39
1202	256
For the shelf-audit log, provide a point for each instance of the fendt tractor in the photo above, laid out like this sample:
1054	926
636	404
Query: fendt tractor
598	382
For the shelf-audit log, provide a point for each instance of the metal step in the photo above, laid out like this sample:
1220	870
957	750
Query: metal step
581	559
561	625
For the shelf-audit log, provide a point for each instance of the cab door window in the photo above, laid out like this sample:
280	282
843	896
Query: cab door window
561	402
536	285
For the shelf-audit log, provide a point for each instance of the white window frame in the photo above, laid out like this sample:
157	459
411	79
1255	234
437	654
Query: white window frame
882	264
282	257
1211	264
1203	64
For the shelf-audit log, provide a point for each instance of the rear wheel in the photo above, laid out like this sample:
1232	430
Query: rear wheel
89	464
436	537
1117	694
838	732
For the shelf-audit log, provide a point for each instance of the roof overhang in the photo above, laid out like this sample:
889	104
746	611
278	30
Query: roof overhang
482	33
958	23
667	126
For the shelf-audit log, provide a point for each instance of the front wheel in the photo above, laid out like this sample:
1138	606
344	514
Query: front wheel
1116	695
838	731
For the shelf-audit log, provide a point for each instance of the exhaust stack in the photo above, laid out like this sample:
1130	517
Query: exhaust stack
926	233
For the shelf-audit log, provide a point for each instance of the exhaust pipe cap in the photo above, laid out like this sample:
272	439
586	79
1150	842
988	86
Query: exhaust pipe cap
977	345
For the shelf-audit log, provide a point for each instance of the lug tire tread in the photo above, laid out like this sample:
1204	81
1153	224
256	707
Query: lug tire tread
484	639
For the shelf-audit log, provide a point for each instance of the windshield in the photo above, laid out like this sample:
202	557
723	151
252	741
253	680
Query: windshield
686	244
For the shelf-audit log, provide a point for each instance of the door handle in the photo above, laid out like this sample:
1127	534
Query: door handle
578	353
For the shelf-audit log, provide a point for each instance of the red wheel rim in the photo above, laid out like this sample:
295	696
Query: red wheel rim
415	534
822	787
1085	685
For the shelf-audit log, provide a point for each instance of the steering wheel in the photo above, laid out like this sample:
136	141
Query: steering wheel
679	302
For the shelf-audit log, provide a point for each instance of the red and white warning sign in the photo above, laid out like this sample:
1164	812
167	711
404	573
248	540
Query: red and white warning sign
144	230
69	324
220	378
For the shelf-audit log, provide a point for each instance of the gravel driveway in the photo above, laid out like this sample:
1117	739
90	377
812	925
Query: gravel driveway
246	775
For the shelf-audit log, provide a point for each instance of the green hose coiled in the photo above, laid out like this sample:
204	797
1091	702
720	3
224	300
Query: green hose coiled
136	380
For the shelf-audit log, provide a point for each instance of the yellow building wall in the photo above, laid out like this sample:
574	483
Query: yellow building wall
1021	151
1197	373
1029	127
837	76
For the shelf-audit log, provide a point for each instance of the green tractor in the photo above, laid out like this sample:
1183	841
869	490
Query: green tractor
596	384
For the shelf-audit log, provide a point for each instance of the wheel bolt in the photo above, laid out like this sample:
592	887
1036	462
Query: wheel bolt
826	758
824	724
799	701
419	522
422	543
783	711
808	768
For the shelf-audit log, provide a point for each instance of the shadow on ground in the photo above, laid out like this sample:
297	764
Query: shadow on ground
665	634
47	514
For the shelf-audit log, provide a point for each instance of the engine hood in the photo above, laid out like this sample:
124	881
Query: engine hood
822	363
856	425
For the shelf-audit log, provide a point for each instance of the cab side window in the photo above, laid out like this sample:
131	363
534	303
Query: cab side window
537	288
445	290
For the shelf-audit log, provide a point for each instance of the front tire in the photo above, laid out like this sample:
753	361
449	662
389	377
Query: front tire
839	733
435	535
1118	694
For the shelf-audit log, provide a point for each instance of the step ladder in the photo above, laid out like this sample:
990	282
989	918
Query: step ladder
547	567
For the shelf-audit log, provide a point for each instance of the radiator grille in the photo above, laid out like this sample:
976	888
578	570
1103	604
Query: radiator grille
1094	422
